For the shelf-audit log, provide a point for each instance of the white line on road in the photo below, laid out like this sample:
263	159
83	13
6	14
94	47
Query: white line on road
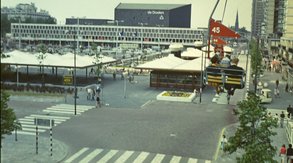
73	157
175	159
141	157
192	160
158	158
92	155
108	156
124	156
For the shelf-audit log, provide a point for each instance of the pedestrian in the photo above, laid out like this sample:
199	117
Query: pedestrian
277	92
289	153
277	83
114	74
287	88
89	93
93	94
282	116
290	111
223	142
98	101
282	153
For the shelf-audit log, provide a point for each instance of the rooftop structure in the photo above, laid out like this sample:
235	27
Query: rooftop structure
154	15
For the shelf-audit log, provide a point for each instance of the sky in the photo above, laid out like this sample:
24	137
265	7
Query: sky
101	9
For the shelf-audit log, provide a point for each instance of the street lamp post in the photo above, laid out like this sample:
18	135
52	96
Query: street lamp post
77	50
201	67
124	74
17	76
142	33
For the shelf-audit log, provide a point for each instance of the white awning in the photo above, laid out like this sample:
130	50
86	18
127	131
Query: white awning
67	60
172	63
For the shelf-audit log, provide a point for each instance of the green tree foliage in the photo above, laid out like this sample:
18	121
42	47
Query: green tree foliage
8	118
256	57
97	59
253	136
41	56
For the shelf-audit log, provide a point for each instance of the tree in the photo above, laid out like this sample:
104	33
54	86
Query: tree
8	118
97	59
41	55
254	133
256	57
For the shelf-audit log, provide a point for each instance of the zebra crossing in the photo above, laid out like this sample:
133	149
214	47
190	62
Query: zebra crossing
59	113
98	155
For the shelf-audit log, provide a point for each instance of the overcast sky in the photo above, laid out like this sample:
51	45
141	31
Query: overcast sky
104	9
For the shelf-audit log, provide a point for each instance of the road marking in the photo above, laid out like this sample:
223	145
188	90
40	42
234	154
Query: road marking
73	157
124	156
92	155
141	157
175	159
61	112
24	132
50	117
192	160
108	156
158	158
149	101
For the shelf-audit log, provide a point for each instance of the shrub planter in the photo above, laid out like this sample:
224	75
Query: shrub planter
176	96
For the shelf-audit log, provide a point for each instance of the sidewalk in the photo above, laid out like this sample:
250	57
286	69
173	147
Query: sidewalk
277	105
25	149
277	141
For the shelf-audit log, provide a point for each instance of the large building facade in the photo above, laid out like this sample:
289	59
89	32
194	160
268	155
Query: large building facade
257	18
104	35
154	15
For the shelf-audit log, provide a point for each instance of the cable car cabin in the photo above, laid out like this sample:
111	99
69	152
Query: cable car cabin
229	78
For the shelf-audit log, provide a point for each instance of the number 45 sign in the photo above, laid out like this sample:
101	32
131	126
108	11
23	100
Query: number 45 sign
218	29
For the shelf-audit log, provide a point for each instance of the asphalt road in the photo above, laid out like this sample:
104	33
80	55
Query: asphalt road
189	130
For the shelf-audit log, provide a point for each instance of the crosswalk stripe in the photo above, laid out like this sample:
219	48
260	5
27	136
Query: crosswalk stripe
25	119
141	157
73	157
108	156
34	126
49	116
32	119
92	155
175	159
32	129
124	156
61	112
67	108
208	161
158	158
24	132
192	160
78	106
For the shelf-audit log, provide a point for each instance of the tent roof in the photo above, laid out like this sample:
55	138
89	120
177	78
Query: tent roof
172	63
67	60
192	53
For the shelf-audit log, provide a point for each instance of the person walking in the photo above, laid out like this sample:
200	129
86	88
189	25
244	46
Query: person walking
282	153
282	116
98	104
290	111
289	153
223	142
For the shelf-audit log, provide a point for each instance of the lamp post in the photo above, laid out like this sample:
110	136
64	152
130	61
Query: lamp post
117	33
201	67
124	74
142	24
17	76
77	50
19	41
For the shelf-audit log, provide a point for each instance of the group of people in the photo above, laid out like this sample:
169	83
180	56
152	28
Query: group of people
94	94
230	67
286	153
